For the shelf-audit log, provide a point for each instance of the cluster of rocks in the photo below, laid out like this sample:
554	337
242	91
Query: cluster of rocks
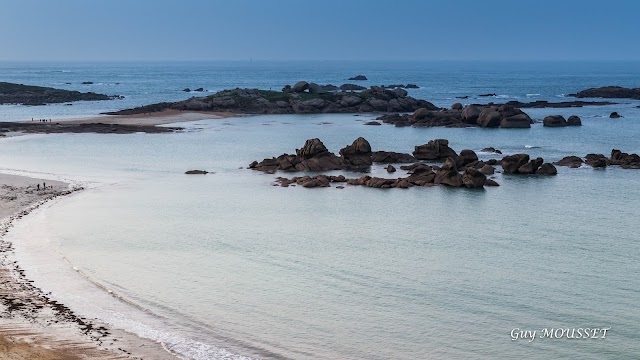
521	164
314	156
408	86
458	170
196	90
254	101
540	104
560	121
313	88
617	158
38	95
492	116
358	78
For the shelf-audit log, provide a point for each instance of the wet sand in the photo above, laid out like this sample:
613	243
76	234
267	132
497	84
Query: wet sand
35	326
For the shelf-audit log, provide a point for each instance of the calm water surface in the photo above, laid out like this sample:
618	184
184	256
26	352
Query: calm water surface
227	261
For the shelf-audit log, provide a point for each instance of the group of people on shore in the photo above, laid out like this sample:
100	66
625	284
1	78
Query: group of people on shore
42	120
44	186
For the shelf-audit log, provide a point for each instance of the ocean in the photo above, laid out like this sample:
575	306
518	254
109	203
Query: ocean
227	266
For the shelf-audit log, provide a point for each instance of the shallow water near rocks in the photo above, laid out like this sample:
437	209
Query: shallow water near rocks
227	261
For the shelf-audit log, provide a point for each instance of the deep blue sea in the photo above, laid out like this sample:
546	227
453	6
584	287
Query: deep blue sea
227	266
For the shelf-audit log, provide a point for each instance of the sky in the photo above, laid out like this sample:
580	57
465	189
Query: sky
196	30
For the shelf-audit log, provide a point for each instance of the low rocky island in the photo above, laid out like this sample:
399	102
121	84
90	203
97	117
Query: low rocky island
298	100
611	92
70	127
38	95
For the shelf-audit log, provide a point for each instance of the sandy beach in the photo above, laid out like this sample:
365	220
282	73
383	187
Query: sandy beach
155	118
35	326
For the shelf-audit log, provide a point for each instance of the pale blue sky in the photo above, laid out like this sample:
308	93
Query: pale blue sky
101	30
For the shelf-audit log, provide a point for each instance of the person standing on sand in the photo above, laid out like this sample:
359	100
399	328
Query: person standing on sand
44	185
38	187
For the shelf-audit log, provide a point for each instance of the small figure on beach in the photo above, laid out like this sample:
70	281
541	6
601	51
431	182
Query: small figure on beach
44	185
38	187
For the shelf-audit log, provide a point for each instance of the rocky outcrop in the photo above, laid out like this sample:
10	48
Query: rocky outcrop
505	116
520	164
295	101
570	161
196	172
559	121
38	95
358	154
491	150
615	115
358	78
540	104
554	121
574	120
66	127
470	113
391	157
624	160
473	178
351	87
434	150
614	92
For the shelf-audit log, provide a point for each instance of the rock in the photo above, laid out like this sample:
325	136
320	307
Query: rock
196	172
530	167
311	148
358	78
392	157
358	154
375	123
187	90
420	114
487	169
390	168
615	115
547	169
314	88
300	86
554	121
434	150
400	92
473	178
470	113
199	89
491	150
511	164
351	87
456	106
615	92
574	120
449	177
87	83
487	95
491	182
287	89
450	164
570	161
489	117
516	122
467	157
411	86
597	160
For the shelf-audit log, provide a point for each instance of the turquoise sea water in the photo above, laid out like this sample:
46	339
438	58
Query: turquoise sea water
228	261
